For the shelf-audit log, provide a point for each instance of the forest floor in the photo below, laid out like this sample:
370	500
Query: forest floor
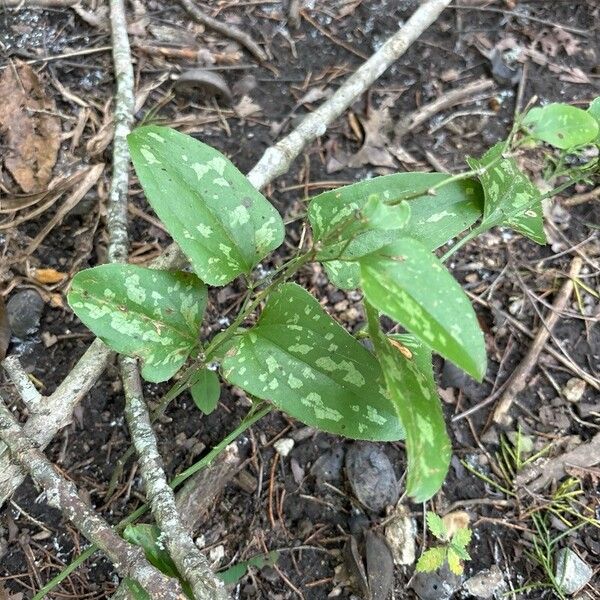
302	504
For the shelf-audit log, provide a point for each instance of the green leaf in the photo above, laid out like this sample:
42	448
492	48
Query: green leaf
435	523
454	561
413	391
220	221
380	215
310	367
594	110
206	390
136	591
147	537
148	314
462	537
561	125
409	284
237	571
434	219
511	200
431	560
460	552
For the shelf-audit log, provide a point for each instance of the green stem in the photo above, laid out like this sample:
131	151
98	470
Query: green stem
467	238
252	417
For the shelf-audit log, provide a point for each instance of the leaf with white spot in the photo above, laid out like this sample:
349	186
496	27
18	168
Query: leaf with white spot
310	367
409	377
433	220
148	314
431	560
221	222
408	283
205	390
561	125
511	200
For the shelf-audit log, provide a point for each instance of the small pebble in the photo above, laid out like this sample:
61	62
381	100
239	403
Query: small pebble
284	446
574	389
572	573
486	583
24	310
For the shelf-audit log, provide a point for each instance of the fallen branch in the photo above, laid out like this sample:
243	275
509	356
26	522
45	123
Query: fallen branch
190	562
227	30
545	471
520	377
129	560
25	388
275	161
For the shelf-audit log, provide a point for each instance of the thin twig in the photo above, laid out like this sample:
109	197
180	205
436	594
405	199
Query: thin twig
582	198
223	28
25	388
129	560
190	562
521	375
274	162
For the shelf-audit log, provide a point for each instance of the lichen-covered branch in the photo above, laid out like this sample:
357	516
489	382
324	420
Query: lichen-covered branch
25	388
185	554
128	560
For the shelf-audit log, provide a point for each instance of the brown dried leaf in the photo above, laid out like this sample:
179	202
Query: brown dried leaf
30	133
48	276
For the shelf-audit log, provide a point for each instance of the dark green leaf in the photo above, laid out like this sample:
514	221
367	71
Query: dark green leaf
406	282
431	560
206	390
413	391
237	571
434	219
220	221
148	538
148	314
435	523
561	125
136	591
300	359
511	200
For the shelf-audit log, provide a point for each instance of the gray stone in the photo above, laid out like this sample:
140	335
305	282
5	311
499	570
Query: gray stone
24	310
572	573
485	584
436	586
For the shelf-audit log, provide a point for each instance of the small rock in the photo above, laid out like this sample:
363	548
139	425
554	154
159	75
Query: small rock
574	389
24	311
328	467
572	573
371	476
400	533
284	446
436	586
486	583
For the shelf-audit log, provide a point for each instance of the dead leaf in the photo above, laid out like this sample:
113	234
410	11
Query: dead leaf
247	107
48	276
29	130
456	520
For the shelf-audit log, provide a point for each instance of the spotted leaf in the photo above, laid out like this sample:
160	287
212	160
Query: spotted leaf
148	314
408	283
221	222
206	390
511	200
409	378
561	125
310	367
433	219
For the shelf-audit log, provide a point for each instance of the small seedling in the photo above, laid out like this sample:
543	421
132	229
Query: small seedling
453	549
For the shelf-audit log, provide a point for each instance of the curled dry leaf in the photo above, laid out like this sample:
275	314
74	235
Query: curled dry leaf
29	131
201	82
48	276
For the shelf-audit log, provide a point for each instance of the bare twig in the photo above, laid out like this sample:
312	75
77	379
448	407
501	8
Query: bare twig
128	560
223	28
545	471
521	375
25	388
189	560
448	100
274	162
582	198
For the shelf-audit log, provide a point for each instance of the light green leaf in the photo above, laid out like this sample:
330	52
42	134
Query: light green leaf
434	219
310	367
148	314
413	391
237	571
380	215
561	125
136	591
406	282
462	537
435	523
206	390
594	110
460	551
511	200
431	560
454	561
220	221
